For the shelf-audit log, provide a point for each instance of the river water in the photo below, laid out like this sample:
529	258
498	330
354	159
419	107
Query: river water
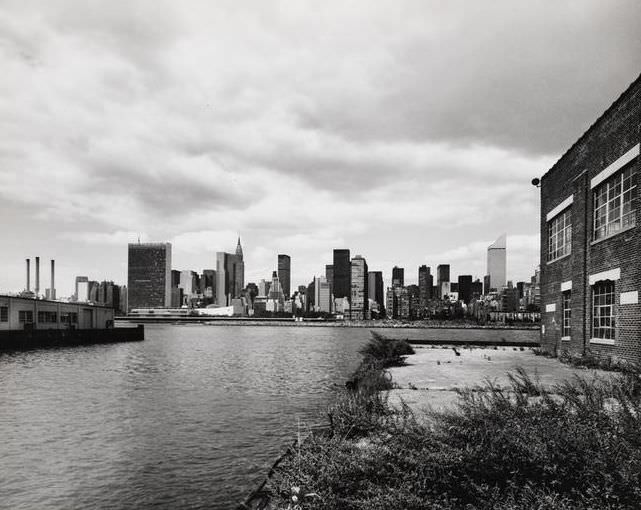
192	417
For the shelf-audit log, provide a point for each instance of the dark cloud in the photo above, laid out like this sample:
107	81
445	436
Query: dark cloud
423	120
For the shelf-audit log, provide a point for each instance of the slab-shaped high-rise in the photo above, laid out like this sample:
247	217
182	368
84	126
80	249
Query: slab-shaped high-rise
285	273
149	275
342	271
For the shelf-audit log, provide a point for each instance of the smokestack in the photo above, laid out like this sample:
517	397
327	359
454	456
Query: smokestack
37	275
53	279
28	275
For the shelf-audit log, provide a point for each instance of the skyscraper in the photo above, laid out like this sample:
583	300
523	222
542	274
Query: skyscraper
329	275
321	295
425	283
398	276
465	288
359	309
230	276
342	276
375	288
208	285
496	263
284	273
149	275
443	280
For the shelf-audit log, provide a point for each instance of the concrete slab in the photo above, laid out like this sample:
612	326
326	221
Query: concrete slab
433	374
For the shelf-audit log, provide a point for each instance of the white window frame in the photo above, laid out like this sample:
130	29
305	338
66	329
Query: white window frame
560	235
614	202
604	312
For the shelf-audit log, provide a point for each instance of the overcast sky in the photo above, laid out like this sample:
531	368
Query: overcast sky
405	131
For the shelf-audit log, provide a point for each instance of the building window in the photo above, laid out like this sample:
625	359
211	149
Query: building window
4	314
603	320
69	318
567	313
614	204
560	236
48	317
25	316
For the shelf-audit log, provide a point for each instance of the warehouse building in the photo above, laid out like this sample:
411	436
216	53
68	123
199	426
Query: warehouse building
591	239
17	313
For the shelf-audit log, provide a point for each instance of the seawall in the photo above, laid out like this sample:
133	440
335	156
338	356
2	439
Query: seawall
16	340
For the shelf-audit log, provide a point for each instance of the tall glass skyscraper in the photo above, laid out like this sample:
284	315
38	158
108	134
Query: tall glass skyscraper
285	273
342	274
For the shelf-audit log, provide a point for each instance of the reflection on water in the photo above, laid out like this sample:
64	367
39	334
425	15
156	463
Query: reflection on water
191	418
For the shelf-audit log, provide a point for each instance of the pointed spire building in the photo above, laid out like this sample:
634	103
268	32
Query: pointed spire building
239	249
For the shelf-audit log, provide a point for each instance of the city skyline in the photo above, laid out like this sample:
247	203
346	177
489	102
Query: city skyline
303	134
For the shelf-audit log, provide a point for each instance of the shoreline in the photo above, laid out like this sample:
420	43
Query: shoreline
391	439
322	324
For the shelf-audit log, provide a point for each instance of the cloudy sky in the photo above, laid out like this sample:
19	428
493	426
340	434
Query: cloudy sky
405	131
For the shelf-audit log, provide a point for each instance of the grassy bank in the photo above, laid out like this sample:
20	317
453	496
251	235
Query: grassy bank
575	446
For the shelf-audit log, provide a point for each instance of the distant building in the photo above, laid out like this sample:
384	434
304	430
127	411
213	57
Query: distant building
189	284
477	289
329	275
496	264
310	299
425	284
276	297
123	299
375	290
590	275
398	276
442	280
465	288
284	273
149	275
509	298
109	295
208	286
230	276
413	295
263	288
322	295
359	283
398	303
94	291
342	274
82	289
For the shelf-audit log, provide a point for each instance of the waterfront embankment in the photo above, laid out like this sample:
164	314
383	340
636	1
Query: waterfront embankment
290	322
517	431
25	339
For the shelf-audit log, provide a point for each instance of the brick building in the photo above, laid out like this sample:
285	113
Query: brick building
591	238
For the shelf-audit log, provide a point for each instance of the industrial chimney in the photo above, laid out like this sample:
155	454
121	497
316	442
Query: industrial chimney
37	276
28	275
53	279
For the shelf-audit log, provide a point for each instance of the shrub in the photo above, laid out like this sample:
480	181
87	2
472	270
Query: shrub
575	446
385	352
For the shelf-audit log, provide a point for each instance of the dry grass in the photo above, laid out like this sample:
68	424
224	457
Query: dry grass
575	446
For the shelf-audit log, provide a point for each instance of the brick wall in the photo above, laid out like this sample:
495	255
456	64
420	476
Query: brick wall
617	131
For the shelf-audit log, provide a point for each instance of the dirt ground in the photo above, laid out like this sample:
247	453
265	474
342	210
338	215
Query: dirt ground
433	374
